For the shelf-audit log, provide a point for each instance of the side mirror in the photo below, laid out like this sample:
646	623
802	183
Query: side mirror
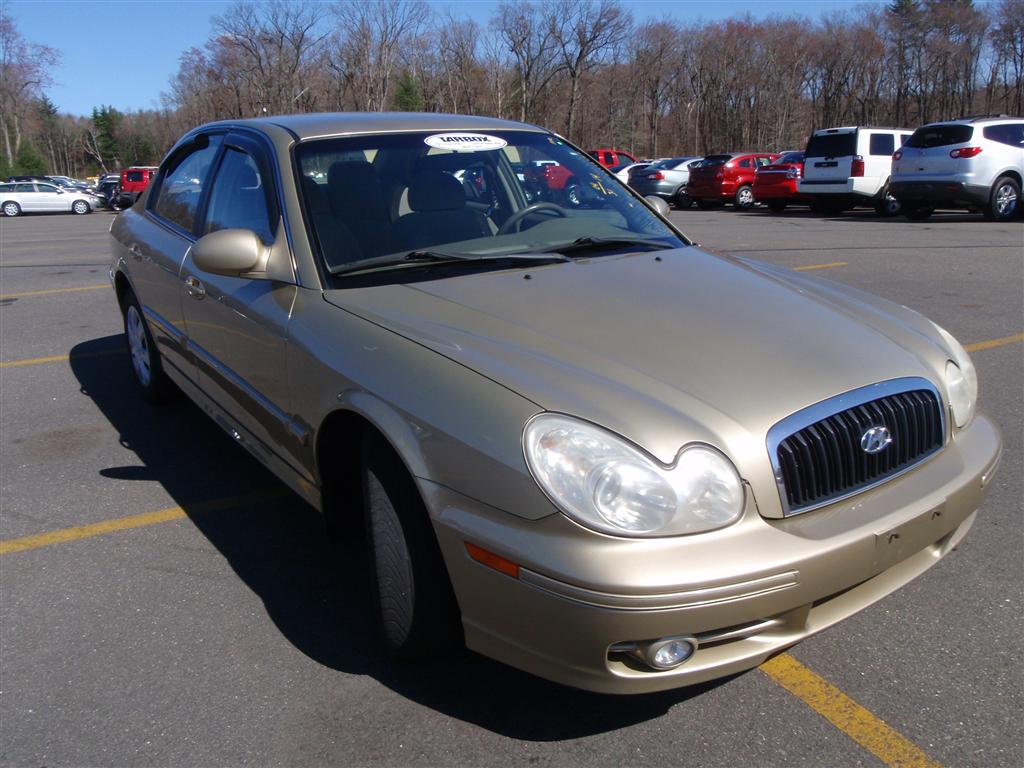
230	252
659	205
60	191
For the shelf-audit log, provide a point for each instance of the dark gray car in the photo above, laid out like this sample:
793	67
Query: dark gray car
666	179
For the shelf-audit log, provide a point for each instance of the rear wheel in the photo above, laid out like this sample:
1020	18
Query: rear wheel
887	205
80	207
776	206
146	364
744	198
681	200
917	212
416	608
11	208
1004	200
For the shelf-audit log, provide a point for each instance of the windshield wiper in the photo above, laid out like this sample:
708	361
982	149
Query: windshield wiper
419	258
583	244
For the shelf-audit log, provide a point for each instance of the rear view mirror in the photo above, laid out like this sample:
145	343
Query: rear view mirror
230	252
658	204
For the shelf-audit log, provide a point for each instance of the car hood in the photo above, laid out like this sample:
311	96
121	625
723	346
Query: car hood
664	348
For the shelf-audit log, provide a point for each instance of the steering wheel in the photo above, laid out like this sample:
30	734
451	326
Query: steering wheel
513	221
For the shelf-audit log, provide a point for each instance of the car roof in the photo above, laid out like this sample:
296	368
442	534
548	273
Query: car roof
321	124
974	119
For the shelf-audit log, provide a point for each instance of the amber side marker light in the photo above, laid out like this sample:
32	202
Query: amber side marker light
492	560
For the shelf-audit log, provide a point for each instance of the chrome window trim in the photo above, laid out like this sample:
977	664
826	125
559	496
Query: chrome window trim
833	405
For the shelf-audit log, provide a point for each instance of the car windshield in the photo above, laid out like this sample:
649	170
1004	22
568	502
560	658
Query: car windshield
479	195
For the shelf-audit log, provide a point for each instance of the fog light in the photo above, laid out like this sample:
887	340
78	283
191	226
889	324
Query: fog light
669	652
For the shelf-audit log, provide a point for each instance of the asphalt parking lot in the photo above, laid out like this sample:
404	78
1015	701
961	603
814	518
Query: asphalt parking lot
169	603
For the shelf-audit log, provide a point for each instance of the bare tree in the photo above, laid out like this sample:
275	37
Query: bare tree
582	31
24	74
368	44
526	30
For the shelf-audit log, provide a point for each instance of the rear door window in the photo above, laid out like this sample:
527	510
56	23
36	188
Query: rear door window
1010	133
177	199
940	136
882	144
832	145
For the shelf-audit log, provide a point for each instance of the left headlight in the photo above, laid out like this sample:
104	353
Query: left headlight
603	482
961	380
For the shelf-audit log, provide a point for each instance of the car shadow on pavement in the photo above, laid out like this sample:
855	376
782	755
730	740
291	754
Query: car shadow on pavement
314	587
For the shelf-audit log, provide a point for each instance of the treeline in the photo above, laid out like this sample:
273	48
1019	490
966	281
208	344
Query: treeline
585	68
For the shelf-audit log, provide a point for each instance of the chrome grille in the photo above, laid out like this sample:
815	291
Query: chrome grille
817	453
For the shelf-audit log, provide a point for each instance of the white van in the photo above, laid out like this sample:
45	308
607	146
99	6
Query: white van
851	166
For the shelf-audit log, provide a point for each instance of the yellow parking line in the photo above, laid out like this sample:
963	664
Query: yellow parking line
48	291
8	546
846	714
57	358
980	345
829	265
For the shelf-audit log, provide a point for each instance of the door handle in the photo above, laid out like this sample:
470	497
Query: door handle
195	287
136	252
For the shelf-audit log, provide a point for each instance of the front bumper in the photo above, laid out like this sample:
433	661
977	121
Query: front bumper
952	193
746	592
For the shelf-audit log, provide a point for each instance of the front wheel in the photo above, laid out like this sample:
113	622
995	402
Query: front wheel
80	207
1004	200
150	378
417	613
11	208
744	198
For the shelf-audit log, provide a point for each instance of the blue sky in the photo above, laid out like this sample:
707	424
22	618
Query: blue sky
124	53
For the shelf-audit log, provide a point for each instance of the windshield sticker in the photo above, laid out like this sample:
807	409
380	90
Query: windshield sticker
465	142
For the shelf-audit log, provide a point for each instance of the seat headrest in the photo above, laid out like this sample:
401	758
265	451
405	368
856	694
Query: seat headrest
353	183
436	191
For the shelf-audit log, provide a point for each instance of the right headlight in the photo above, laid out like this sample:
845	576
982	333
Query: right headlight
961	380
605	483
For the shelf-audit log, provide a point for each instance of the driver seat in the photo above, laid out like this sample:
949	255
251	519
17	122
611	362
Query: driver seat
438	213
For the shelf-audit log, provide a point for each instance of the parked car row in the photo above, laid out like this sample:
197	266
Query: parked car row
61	194
974	163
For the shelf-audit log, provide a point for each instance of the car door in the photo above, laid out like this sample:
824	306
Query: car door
157	241
237	326
27	197
49	198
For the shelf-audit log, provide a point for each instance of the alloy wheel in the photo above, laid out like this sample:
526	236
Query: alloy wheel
138	346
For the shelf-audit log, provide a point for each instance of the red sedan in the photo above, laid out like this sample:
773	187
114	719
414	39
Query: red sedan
775	184
726	179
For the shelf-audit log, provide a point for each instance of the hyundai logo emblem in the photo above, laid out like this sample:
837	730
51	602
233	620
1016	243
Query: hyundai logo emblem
875	439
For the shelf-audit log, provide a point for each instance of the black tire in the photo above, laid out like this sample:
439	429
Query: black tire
147	367
886	205
681	200
417	614
707	205
744	198
80	207
11	208
917	212
1004	200
776	206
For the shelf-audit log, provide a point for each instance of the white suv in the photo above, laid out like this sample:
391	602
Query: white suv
846	167
973	163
